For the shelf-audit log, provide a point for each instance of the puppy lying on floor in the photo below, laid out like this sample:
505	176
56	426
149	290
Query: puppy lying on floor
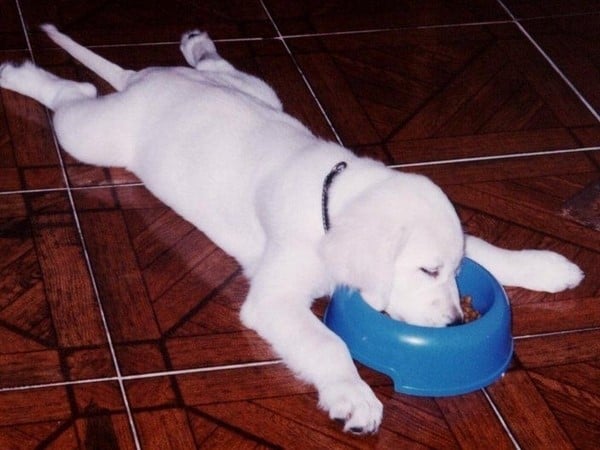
214	144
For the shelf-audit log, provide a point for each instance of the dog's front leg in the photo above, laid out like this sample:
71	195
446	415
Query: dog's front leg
278	308
538	270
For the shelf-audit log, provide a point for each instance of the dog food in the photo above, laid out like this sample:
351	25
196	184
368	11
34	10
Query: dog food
469	312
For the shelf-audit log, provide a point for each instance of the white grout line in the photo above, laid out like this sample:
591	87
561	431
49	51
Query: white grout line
549	60
24	28
143	376
556	333
400	28
71	188
496	157
501	419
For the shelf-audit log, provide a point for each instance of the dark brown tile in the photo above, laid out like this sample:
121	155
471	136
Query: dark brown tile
436	94
301	17
155	21
542	8
11	31
570	42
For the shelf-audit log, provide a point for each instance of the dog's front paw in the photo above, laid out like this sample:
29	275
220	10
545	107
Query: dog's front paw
551	272
353	403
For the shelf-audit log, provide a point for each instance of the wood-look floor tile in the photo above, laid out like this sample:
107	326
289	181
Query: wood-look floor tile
47	418
155	392
166	429
434	94
48	309
473	421
148	21
141	358
559	349
526	413
294	17
570	391
239	384
555	315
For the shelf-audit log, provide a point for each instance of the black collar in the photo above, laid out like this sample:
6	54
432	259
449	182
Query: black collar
337	169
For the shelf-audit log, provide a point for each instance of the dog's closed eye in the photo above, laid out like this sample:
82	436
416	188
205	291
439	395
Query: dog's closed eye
432	272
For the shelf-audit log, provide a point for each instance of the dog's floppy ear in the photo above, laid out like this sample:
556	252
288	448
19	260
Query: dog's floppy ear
359	250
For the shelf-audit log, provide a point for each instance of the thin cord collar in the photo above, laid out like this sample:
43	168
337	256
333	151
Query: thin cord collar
337	169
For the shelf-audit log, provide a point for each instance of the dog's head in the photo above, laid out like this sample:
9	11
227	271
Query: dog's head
401	244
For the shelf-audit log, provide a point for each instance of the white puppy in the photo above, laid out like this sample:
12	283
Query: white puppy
214	144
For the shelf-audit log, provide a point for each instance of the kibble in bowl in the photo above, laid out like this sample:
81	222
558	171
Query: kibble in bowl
469	312
429	361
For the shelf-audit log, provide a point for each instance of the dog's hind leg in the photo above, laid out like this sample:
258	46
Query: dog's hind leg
93	130
48	89
200	52
199	49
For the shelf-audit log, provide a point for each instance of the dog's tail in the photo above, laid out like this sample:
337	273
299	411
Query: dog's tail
116	76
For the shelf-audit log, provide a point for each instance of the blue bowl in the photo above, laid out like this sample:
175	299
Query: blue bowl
428	361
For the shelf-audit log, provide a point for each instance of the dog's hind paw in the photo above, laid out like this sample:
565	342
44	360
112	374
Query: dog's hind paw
195	45
17	76
353	403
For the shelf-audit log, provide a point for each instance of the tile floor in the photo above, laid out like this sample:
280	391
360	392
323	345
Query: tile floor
498	101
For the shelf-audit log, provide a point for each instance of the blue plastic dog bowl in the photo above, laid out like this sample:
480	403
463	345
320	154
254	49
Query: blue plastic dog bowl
428	361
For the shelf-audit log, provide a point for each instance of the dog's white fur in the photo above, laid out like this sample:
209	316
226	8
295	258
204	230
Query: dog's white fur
214	144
